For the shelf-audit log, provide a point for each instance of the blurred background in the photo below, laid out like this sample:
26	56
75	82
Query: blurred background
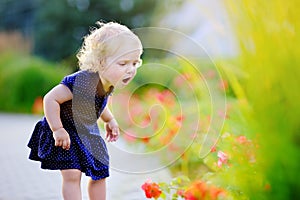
41	33
253	44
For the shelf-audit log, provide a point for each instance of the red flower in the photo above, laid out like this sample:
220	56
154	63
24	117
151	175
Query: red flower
200	190
146	139
223	85
196	191
166	97
223	158
146	121
267	186
180	193
179	118
152	190
213	148
216	192
37	107
242	139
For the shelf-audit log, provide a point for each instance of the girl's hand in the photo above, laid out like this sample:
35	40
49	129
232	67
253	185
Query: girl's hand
112	130
62	138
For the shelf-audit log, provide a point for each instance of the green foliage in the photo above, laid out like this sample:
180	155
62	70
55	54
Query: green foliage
269	45
23	79
61	25
258	153
57	27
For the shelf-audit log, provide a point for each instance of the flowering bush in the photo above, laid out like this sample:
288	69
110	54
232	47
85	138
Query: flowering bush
172	124
229	175
182	188
165	119
256	153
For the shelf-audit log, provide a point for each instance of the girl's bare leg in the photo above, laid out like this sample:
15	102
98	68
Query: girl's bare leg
97	189
71	184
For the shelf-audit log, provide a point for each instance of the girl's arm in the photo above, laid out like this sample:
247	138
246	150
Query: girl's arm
111	125
106	115
52	101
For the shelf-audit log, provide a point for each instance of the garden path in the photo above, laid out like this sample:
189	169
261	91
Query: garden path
22	179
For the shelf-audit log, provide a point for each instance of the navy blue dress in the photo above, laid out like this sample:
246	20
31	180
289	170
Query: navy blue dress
88	151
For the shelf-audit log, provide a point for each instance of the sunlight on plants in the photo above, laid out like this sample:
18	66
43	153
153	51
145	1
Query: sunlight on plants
257	155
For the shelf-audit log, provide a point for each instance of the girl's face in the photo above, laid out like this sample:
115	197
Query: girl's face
120	68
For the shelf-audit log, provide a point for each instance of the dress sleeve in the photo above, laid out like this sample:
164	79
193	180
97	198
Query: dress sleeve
69	81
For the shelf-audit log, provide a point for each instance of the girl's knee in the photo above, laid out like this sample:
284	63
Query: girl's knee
97	189
97	182
71	175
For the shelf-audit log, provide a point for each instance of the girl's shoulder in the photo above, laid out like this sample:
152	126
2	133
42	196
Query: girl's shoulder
80	73
80	79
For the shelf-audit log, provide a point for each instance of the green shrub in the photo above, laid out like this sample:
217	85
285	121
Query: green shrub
23	79
267	34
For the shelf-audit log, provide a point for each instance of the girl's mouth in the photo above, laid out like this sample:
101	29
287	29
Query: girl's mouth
126	80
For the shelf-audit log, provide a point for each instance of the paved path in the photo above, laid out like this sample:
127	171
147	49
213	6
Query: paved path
22	179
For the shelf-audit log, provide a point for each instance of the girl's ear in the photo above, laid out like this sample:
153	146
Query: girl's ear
102	64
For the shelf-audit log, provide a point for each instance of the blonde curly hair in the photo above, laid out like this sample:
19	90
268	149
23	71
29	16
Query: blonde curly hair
97	45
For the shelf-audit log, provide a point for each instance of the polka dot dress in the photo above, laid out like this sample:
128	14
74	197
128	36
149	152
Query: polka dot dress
88	151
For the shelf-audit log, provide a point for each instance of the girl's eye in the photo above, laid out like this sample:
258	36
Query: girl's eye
138	63
122	64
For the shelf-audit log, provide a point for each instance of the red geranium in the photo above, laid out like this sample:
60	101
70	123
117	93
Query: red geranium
200	190
152	190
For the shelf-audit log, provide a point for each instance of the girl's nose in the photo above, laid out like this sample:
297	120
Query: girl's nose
131	69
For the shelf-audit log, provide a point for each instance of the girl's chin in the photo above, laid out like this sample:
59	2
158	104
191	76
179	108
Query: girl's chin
120	85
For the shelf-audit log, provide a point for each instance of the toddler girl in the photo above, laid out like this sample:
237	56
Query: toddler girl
68	138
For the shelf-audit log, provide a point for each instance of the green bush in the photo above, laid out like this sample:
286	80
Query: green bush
267	34
25	78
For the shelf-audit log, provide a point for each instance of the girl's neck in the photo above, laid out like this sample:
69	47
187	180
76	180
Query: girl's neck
105	84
